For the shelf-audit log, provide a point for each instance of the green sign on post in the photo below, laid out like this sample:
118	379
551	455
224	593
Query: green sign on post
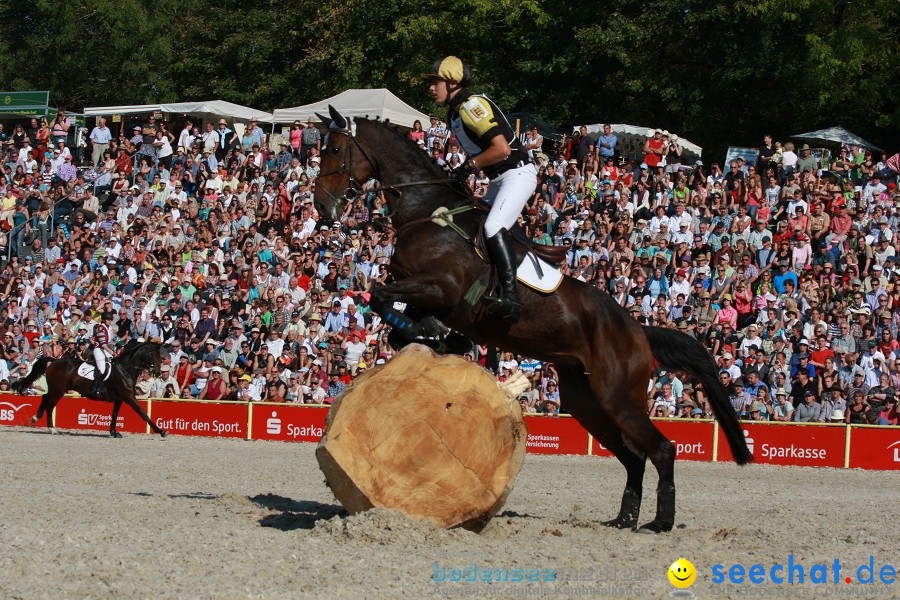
24	103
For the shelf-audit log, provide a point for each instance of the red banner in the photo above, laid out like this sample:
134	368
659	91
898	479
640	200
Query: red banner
555	435
208	419
95	415
18	410
288	422
597	449
800	445
693	440
875	448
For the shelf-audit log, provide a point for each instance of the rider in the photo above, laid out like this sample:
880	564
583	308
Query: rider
102	339
484	134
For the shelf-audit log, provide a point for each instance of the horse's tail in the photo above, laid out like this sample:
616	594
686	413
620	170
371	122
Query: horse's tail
676	350
40	365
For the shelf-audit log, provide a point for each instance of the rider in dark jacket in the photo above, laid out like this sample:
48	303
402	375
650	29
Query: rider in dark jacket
485	135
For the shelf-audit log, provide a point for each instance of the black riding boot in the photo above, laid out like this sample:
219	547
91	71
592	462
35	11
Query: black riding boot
98	379
504	258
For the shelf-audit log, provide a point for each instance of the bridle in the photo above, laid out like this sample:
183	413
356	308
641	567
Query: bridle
354	188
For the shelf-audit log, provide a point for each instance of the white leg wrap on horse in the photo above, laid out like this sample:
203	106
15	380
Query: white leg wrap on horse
507	195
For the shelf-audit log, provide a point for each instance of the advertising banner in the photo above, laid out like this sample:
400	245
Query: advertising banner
597	449
800	445
24	103
875	448
287	422
18	410
693	440
82	413
555	435
750	156
207	419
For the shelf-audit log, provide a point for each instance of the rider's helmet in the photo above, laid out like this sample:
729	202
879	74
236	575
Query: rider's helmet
451	69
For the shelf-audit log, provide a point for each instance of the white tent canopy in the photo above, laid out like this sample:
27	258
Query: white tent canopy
357	103
208	110
632	138
835	135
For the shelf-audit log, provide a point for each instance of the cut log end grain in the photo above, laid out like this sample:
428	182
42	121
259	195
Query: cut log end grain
431	436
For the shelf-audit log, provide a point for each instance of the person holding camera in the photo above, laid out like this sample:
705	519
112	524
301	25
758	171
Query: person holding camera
59	130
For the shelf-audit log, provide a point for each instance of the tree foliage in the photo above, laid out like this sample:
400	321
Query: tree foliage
716	73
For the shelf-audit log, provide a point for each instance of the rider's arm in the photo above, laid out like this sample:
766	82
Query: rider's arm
496	152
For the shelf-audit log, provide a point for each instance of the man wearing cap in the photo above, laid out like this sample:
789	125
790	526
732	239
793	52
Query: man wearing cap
808	410
807	162
832	400
739	398
873	188
654	149
227	138
782	408
158	384
309	138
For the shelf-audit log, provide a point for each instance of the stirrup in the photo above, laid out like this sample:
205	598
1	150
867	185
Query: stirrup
504	308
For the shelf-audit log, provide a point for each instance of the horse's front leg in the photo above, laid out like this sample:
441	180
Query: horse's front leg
115	417
423	297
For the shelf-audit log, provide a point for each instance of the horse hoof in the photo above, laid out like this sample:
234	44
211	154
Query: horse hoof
53	431
117	435
33	420
654	527
620	523
163	433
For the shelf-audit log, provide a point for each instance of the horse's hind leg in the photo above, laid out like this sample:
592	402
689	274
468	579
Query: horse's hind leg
627	407
579	402
48	403
40	411
132	402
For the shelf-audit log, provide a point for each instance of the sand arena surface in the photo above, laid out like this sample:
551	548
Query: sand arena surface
87	516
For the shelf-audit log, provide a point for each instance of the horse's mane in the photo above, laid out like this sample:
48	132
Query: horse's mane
409	148
135	352
410	152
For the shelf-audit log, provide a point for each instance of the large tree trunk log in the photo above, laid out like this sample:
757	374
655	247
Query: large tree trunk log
434	437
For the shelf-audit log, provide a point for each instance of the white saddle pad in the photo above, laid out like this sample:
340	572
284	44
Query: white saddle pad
87	371
547	279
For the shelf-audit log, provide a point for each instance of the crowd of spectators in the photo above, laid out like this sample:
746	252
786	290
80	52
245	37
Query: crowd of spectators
208	241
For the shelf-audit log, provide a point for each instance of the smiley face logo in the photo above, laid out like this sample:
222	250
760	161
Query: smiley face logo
682	573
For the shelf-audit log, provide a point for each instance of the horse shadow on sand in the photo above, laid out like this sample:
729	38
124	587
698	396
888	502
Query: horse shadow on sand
288	514
66	432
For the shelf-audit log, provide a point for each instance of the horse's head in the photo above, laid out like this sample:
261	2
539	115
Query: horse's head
143	355
346	165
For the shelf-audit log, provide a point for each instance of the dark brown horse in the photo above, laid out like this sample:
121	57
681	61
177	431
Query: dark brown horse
62	376
604	357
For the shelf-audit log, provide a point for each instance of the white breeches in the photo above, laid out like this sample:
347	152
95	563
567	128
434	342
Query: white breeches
507	195
100	359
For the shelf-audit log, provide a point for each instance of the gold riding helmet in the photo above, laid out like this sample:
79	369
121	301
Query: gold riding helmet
450	69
